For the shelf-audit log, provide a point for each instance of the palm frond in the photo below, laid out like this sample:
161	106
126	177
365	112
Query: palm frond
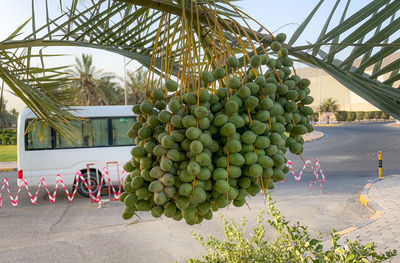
359	42
355	51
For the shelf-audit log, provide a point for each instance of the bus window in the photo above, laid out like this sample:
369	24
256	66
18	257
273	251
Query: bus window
120	127
77	142
38	137
95	132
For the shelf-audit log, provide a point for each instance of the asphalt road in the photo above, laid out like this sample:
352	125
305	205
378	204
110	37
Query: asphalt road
81	232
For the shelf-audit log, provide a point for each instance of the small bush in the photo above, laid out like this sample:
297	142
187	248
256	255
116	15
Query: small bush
5	139
315	116
13	140
385	116
8	132
341	115
351	116
360	115
369	115
292	243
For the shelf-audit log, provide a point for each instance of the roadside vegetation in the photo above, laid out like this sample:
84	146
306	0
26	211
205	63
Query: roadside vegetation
8	153
8	118
330	106
290	243
8	137
361	115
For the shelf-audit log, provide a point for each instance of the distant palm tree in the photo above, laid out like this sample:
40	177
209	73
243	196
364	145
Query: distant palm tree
109	92
136	85
91	86
7	118
14	112
329	105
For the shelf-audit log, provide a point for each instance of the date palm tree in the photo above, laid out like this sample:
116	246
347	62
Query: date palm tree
329	105
132	27
14	113
136	85
91	87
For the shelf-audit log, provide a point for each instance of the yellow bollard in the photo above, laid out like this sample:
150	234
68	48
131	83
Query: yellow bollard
380	164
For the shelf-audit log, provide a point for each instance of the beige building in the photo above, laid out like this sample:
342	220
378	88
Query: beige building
324	86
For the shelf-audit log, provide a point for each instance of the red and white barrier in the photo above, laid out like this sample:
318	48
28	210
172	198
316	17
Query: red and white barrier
104	175
52	197
317	172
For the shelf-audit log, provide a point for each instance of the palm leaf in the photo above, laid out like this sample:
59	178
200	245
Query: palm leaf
303	25
375	25
129	28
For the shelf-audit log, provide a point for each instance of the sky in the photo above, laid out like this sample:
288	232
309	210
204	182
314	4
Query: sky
282	15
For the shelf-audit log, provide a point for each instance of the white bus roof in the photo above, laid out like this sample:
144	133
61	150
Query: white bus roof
91	111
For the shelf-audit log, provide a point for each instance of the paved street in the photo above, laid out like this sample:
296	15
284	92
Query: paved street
80	231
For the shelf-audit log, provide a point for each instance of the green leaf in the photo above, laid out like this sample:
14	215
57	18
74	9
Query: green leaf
336	38
323	31
17	31
314	242
384	52
392	66
367	246
304	24
369	93
375	21
355	19
392	79
377	38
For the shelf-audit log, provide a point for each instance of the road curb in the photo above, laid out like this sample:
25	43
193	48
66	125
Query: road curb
329	125
393	125
314	139
323	135
8	169
370	204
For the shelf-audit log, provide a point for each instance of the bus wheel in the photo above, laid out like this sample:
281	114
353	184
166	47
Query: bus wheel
94	184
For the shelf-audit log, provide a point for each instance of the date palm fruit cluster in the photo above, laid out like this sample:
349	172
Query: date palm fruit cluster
208	150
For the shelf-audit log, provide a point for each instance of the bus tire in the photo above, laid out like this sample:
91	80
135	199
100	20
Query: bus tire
83	190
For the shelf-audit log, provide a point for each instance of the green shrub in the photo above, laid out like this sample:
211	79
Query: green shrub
8	132
5	139
315	116
292	243
385	116
360	115
369	115
351	116
378	115
341	115
13	140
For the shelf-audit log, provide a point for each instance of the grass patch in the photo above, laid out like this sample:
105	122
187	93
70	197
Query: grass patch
8	153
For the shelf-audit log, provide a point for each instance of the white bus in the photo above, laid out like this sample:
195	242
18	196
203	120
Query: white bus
102	138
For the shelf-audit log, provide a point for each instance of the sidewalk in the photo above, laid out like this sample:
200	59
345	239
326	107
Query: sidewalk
315	135
394	124
328	125
8	166
385	231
